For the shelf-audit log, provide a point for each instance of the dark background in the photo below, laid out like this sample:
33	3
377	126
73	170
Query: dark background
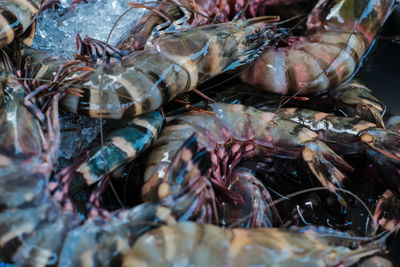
381	69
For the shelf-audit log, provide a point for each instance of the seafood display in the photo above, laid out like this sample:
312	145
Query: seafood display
196	162
39	230
338	36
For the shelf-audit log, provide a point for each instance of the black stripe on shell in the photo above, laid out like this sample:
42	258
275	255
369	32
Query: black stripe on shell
13	21
161	85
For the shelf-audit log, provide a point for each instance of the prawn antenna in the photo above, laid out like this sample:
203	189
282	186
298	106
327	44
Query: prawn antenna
314	189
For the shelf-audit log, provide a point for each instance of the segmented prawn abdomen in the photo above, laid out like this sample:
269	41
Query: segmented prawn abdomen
140	83
15	18
16	225
20	188
122	145
269	72
362	16
317	62
339	35
201	244
101	242
43	246
282	137
210	245
21	145
331	128
172	137
336	65
200	52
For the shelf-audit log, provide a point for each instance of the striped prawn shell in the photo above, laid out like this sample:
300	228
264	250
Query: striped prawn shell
176	63
349	135
48	235
314	63
16	16
230	122
35	231
191	244
21	145
232	128
100	242
121	146
41	234
356	95
333	128
140	83
339	35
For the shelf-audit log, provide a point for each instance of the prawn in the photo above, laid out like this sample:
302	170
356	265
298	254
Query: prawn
24	144
175	64
174	15
339	35
191	244
122	145
234	132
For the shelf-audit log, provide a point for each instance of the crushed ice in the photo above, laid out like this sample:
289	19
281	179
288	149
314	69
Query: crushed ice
56	32
57	28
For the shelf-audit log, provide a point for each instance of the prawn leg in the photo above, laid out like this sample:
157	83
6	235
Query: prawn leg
387	212
253	211
352	135
92	51
366	106
235	132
